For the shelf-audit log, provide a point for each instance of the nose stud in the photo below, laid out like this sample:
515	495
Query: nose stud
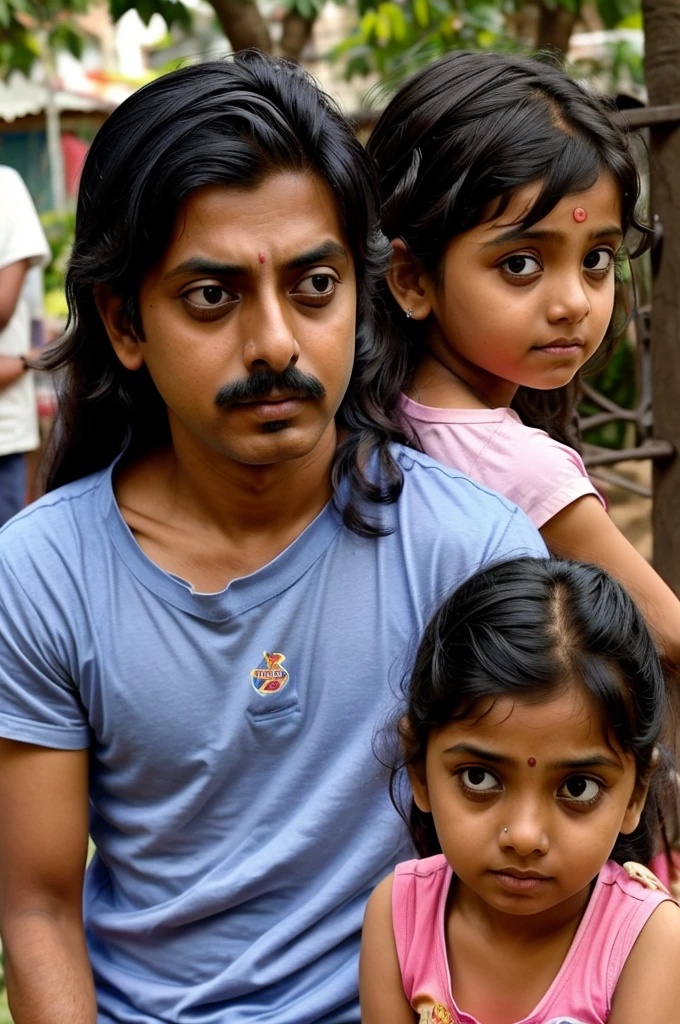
505	830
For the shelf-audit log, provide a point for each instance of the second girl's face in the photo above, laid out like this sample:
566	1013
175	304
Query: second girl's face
528	800
528	305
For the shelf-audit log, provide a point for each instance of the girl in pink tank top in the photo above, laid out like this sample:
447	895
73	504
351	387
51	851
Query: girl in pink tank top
507	191
531	739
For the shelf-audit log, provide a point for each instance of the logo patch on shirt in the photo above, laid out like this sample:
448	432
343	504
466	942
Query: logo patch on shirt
270	676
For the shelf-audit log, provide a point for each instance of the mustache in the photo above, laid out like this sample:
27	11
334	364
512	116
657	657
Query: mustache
260	385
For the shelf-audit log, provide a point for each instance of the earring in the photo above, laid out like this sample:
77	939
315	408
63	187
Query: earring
409	313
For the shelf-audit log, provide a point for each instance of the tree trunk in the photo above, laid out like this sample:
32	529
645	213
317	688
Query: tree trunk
243	24
555	27
662	71
297	32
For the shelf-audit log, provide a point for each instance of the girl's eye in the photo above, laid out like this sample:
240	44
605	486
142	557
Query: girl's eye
316	286
599	260
580	790
479	780
207	296
521	266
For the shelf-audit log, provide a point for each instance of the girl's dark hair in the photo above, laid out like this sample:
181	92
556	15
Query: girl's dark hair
232	122
455	143
528	628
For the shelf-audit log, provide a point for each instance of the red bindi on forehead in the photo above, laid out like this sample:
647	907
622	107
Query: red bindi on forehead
531	762
261	257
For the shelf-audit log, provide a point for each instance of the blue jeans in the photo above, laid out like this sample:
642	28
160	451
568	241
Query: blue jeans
12	485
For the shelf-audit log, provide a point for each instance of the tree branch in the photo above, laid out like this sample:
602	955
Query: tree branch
243	24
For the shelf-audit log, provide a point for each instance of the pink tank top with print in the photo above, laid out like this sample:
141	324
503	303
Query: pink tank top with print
581	993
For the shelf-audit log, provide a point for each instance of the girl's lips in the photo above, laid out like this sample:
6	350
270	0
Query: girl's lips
520	882
561	346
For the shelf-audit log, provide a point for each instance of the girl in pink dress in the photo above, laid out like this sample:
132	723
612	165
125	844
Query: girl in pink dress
531	741
508	191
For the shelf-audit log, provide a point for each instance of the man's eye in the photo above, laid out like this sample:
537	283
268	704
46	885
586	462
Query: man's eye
521	266
580	789
599	259
207	295
318	285
479	780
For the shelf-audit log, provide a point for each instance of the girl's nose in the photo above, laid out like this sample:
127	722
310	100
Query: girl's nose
569	303
525	833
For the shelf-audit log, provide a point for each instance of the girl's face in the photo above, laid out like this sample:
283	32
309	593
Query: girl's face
527	306
528	800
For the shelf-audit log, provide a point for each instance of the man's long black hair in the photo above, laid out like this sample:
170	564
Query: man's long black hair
231	122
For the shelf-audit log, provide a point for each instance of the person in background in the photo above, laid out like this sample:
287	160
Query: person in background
23	250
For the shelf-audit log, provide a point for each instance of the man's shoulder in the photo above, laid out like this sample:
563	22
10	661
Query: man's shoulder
56	521
425	476
448	515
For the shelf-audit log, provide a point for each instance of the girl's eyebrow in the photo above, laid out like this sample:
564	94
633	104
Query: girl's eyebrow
483	755
520	234
593	761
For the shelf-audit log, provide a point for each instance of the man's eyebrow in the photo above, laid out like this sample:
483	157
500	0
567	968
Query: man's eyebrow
211	268
325	251
206	268
520	234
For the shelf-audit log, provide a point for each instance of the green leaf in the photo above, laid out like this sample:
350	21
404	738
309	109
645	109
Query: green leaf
421	12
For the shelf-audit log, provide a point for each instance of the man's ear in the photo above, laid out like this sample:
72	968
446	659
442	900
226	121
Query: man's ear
122	336
631	818
416	776
408	282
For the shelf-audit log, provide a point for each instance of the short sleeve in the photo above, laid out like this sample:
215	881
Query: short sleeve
543	476
21	233
39	702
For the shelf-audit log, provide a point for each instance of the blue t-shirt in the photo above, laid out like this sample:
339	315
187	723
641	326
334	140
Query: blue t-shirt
239	813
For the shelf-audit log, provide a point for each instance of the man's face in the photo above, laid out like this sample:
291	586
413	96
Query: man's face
249	320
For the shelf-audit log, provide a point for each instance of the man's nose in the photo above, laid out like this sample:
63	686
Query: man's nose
270	342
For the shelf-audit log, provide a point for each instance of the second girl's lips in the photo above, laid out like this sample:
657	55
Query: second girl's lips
561	346
516	880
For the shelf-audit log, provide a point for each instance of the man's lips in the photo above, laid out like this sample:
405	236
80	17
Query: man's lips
273	407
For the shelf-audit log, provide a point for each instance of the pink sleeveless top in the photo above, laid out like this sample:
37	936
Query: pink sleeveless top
581	993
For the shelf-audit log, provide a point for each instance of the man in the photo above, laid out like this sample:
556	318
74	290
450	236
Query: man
204	636
23	246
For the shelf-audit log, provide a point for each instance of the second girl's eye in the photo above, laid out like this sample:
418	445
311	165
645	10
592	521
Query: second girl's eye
479	780
521	266
580	789
599	260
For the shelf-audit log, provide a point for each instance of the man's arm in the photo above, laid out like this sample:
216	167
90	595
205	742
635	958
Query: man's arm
43	851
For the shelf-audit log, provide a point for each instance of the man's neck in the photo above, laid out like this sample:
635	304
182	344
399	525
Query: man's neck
210	520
